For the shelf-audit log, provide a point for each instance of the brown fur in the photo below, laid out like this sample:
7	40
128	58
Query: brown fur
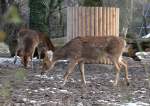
81	50
28	40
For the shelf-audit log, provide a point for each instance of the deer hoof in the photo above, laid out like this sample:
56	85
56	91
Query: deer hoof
115	84
128	83
63	84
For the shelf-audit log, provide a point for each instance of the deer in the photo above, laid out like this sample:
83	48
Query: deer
89	50
28	40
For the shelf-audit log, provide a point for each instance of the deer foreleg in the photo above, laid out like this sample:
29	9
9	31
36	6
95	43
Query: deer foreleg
32	59
123	62
117	73
15	58
82	72
71	66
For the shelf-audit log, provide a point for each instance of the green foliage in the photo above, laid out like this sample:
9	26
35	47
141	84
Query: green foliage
20	74
146	68
93	2
12	15
5	90
128	98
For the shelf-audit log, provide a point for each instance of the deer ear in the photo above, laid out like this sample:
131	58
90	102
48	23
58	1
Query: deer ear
50	55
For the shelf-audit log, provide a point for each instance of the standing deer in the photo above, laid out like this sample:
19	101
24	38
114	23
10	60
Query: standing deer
28	40
81	50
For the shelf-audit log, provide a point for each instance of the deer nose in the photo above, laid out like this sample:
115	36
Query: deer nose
42	73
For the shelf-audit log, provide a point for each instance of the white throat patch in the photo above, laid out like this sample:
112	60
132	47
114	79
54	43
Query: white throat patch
50	55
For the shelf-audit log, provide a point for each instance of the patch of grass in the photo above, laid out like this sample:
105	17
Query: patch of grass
146	68
20	74
129	98
5	90
126	99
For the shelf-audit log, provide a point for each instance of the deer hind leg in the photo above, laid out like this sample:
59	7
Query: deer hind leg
124	63
71	66
117	73
39	56
82	72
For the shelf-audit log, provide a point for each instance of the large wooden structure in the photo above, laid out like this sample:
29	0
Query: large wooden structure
92	21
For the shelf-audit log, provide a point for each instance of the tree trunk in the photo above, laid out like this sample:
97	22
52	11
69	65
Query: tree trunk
145	25
39	11
3	7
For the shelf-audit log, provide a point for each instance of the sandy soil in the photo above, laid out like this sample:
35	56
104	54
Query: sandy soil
25	87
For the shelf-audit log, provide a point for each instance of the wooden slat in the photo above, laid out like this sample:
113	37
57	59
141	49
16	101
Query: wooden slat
110	23
73	22
117	22
92	21
76	22
113	21
68	23
100	22
83	21
96	21
107	22
104	21
80	21
88	21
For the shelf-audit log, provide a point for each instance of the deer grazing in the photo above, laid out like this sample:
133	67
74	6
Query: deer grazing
82	50
28	40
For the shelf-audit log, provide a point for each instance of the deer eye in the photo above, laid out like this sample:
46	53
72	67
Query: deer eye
44	64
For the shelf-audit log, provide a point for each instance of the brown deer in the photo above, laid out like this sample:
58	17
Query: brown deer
28	40
81	50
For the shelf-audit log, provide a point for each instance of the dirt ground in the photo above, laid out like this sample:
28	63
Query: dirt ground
25	87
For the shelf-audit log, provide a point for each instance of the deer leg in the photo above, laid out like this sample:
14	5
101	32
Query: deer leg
82	72
39	55
52	65
71	66
123	62
32	58
15	59
117	73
